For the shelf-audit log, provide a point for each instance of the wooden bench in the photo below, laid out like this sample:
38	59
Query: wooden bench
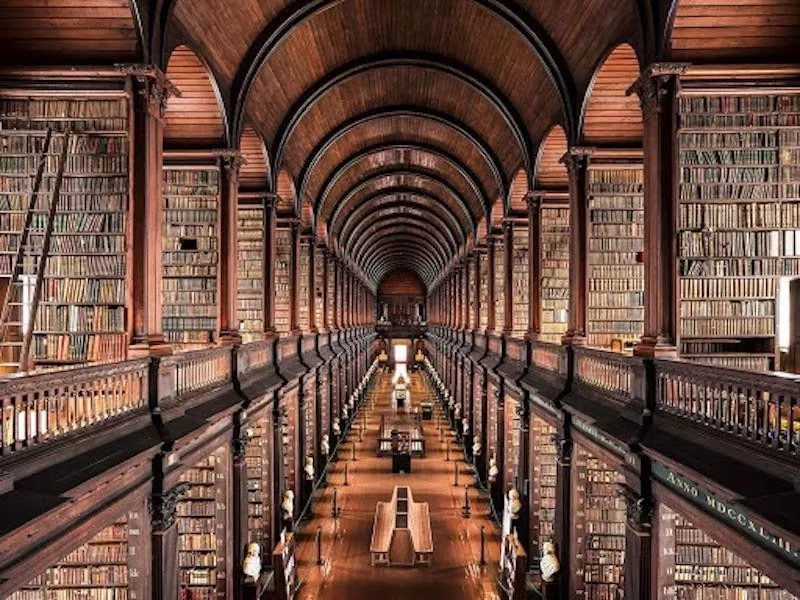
401	533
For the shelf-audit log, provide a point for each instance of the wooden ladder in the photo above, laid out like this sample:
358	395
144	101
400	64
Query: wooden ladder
16	331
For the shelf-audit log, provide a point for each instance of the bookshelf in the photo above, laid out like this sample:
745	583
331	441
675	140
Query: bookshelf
191	254
499	284
616	246
543	484
519	280
81	316
319	288
291	465
477	407
258	460
739	222
472	292
492	430
330	289
303	303
599	524
512	447
201	528
250	299
483	290
309	423
698	568
283	292
555	272
103	568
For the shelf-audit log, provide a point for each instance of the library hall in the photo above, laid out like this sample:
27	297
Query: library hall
399	299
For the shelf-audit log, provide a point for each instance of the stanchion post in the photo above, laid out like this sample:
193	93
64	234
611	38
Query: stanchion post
483	545
345	474
354	451
447	451
335	511
319	545
466	510
455	473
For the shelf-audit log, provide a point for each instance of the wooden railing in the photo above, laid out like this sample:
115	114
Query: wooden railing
610	372
761	407
45	406
549	357
199	370
254	355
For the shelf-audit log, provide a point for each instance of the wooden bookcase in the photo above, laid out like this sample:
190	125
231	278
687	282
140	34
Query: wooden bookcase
191	255
512	445
319	289
303	305
599	528
696	566
202	528
543	483
483	290
250	295
473	291
519	279
283	291
81	315
499	284
291	462
739	221
260	459
107	567
616	249
555	271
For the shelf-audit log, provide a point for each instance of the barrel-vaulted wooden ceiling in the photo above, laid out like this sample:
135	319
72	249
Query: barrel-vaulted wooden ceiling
400	131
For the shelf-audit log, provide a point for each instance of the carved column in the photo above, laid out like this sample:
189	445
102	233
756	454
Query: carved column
228	268
294	277
508	265
563	513
490	312
576	161
657	90
151	90
534	201
163	512
270	223
638	544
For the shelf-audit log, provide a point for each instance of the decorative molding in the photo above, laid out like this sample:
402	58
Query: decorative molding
164	506
638	509
563	451
232	160
153	86
655	84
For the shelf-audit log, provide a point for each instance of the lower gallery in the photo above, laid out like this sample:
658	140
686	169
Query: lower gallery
405	299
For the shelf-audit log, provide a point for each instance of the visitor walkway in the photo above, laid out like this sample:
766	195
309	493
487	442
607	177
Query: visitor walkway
345	572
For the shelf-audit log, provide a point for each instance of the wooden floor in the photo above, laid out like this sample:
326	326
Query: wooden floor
346	573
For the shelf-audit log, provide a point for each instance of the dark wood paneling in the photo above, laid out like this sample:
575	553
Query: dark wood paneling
550	172
194	117
255	172
401	283
736	30
610	116
67	31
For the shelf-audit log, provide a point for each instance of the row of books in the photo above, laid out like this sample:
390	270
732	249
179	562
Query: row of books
745	287
737	216
739	243
633	301
751	326
694	192
104	164
77	109
79	347
73	318
18	202
84	291
616	212
190	310
739	267
736	174
739	120
108	243
727	308
186	258
94	144
740	104
715	157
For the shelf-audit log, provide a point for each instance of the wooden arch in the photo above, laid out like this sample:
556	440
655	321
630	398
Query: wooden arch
550	172
197	117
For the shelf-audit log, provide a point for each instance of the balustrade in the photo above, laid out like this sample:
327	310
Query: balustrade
44	406
549	357
609	372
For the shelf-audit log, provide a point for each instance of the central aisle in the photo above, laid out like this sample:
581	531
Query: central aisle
346	573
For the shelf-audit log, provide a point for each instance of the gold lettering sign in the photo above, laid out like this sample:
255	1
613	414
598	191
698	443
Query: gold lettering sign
727	511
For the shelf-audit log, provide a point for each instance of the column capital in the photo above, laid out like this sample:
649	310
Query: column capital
654	84
154	88
576	158
231	159
534	198
270	200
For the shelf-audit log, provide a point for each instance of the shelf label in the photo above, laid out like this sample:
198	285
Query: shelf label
728	511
